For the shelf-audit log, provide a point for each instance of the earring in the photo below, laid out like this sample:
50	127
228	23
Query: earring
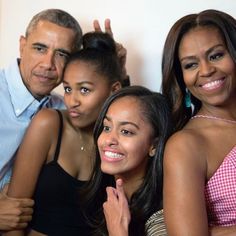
152	152
187	99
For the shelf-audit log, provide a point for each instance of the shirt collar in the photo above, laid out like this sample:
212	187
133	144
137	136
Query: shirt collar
20	96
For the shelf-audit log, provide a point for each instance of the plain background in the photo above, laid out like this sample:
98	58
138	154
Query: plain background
140	25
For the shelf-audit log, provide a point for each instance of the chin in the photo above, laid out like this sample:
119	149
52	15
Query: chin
108	171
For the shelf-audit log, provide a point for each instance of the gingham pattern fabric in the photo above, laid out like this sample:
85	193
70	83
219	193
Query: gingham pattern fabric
220	193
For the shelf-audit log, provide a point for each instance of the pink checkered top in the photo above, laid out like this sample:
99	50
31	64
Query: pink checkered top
220	193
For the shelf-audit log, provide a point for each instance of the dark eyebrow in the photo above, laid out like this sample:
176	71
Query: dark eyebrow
122	122
187	58
207	52
80	83
40	45
214	47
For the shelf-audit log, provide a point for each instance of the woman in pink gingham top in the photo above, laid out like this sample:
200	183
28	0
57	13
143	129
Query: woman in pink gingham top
199	80
220	192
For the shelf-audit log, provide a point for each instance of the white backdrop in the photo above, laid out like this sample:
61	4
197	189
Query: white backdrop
140	25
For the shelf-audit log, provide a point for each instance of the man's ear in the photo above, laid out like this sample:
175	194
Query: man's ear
115	86
22	44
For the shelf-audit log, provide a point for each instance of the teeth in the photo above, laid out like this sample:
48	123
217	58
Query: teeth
212	84
112	154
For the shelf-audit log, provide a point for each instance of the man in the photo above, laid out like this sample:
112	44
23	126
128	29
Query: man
25	87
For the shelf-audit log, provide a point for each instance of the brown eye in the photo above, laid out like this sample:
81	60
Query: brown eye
216	56
106	128
39	48
190	66
126	132
84	90
67	89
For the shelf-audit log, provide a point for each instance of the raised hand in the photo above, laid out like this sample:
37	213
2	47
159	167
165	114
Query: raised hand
107	25
121	51
116	210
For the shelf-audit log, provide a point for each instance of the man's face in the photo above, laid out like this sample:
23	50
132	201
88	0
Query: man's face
44	53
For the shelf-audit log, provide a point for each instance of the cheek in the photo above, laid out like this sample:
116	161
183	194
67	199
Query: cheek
188	77
230	67
94	105
100	142
135	148
137	160
65	98
60	64
93	112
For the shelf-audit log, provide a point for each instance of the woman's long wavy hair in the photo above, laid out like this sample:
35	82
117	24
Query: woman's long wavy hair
173	86
148	197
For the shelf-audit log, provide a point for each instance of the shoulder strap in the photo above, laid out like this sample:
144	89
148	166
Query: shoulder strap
59	136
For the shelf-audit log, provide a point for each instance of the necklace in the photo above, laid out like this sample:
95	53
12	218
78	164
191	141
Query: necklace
214	118
82	146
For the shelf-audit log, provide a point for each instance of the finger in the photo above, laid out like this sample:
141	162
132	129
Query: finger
121	51
23	202
121	192
111	194
97	26
119	186
15	222
13	226
108	27
21	226
25	219
27	211
27	202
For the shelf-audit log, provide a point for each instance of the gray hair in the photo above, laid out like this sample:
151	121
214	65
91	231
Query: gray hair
58	17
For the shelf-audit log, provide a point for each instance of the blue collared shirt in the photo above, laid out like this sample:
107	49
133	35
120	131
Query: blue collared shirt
17	108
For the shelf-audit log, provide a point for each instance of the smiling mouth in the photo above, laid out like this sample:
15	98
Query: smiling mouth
112	156
213	85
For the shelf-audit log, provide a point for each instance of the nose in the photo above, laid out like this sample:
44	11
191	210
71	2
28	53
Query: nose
48	60
111	138
73	100
206	69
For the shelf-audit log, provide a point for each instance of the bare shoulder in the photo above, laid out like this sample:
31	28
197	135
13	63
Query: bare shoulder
185	148
43	130
46	118
185	140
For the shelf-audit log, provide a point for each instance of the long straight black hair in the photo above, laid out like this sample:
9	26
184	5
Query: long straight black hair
148	197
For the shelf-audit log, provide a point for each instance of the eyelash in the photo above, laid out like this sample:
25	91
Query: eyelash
62	55
125	132
106	128
214	57
39	48
190	65
66	89
42	49
84	90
